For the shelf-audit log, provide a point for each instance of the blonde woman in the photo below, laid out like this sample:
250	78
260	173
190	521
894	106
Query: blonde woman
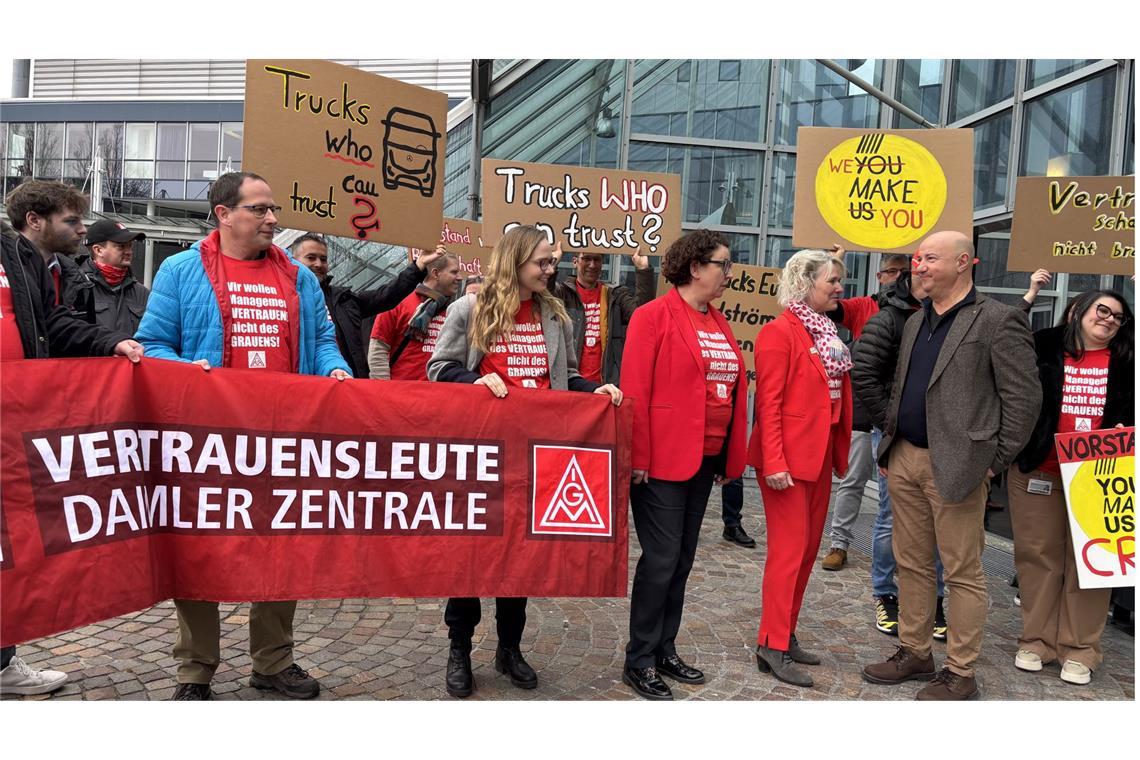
512	334
802	432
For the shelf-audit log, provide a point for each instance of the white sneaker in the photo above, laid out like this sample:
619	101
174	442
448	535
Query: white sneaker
1074	672
20	678
1027	660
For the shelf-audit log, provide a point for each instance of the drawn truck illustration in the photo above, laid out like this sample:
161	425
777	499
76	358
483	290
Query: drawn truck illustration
411	146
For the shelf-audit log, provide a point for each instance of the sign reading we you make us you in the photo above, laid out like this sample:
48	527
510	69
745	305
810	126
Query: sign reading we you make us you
346	152
1083	225
586	209
882	190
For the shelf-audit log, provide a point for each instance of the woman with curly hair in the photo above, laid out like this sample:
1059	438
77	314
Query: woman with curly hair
801	433
512	334
684	372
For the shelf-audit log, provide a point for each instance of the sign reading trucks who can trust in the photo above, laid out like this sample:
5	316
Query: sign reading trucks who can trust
881	190
346	152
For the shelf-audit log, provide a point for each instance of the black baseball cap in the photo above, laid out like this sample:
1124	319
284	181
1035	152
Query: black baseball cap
105	229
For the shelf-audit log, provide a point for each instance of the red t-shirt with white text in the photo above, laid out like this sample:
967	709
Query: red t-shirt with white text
11	346
591	365
722	369
390	327
1083	394
259	316
520	358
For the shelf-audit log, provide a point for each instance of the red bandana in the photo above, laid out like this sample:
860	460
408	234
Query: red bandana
113	275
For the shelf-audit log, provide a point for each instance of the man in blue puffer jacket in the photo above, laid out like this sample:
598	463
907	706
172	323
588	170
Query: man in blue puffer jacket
236	300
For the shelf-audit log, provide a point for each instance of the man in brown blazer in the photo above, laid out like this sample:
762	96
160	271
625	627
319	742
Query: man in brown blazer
965	399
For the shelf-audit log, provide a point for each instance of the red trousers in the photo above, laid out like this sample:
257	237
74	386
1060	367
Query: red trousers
794	518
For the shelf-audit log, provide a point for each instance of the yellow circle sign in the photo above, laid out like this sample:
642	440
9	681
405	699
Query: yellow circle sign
1102	495
880	191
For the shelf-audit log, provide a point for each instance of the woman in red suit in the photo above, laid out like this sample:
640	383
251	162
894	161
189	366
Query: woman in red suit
684	373
801	432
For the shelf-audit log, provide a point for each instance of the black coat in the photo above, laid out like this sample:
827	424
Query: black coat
46	329
117	308
876	353
1119	405
349	310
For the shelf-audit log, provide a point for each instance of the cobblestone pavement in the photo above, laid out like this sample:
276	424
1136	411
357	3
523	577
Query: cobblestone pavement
397	648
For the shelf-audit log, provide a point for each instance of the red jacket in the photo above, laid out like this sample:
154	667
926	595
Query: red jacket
791	421
663	374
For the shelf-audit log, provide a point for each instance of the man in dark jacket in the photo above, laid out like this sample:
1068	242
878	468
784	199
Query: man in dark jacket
33	326
349	309
601	313
103	290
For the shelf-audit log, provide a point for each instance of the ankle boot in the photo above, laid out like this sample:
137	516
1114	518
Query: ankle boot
509	660
798	654
781	665
460	681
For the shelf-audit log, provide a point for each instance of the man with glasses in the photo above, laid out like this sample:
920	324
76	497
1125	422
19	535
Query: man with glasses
251	327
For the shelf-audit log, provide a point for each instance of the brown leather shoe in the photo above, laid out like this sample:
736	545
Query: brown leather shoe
835	559
948	686
900	666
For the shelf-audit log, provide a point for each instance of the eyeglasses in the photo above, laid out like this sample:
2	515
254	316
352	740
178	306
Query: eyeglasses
724	264
1103	312
545	264
260	210
893	271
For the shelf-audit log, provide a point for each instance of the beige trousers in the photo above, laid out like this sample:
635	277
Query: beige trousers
924	521
1059	620
198	650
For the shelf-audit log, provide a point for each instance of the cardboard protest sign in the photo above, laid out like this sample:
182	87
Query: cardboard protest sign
465	239
749	302
114	505
1074	224
1098	469
882	190
596	210
346	152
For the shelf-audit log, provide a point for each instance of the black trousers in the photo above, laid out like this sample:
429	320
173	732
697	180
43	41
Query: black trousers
732	502
6	655
462	614
667	515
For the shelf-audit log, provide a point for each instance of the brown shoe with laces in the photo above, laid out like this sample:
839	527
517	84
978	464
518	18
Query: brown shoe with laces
900	666
835	559
948	686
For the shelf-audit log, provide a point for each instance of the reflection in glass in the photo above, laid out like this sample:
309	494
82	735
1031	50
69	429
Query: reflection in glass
1069	133
811	95
720	186
920	89
783	190
140	142
991	160
979	84
991	272
1044	70
49	150
232	135
722	100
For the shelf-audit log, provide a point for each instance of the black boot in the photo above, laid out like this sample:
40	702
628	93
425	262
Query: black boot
460	682
509	660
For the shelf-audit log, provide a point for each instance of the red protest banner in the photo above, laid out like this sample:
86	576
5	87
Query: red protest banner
240	485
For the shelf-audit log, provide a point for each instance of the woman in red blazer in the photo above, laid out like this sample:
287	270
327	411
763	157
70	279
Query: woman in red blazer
685	376
801	433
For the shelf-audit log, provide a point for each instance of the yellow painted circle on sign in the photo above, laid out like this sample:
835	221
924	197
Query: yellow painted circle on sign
880	191
1102	496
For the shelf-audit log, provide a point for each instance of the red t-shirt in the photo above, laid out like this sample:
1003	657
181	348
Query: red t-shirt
722	369
591	365
11	347
1082	398
857	312
390	327
520	358
259	316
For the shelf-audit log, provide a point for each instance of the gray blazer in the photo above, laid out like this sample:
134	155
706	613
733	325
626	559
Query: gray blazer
983	398
452	346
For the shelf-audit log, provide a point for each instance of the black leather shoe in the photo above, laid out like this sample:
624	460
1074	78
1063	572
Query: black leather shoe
799	655
737	535
509	660
780	664
191	692
674	667
646	683
460	682
293	682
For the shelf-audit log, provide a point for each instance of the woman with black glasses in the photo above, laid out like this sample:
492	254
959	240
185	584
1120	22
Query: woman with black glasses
1087	366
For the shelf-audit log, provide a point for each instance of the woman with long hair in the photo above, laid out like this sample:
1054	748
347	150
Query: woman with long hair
1087	365
801	433
685	374
512	334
